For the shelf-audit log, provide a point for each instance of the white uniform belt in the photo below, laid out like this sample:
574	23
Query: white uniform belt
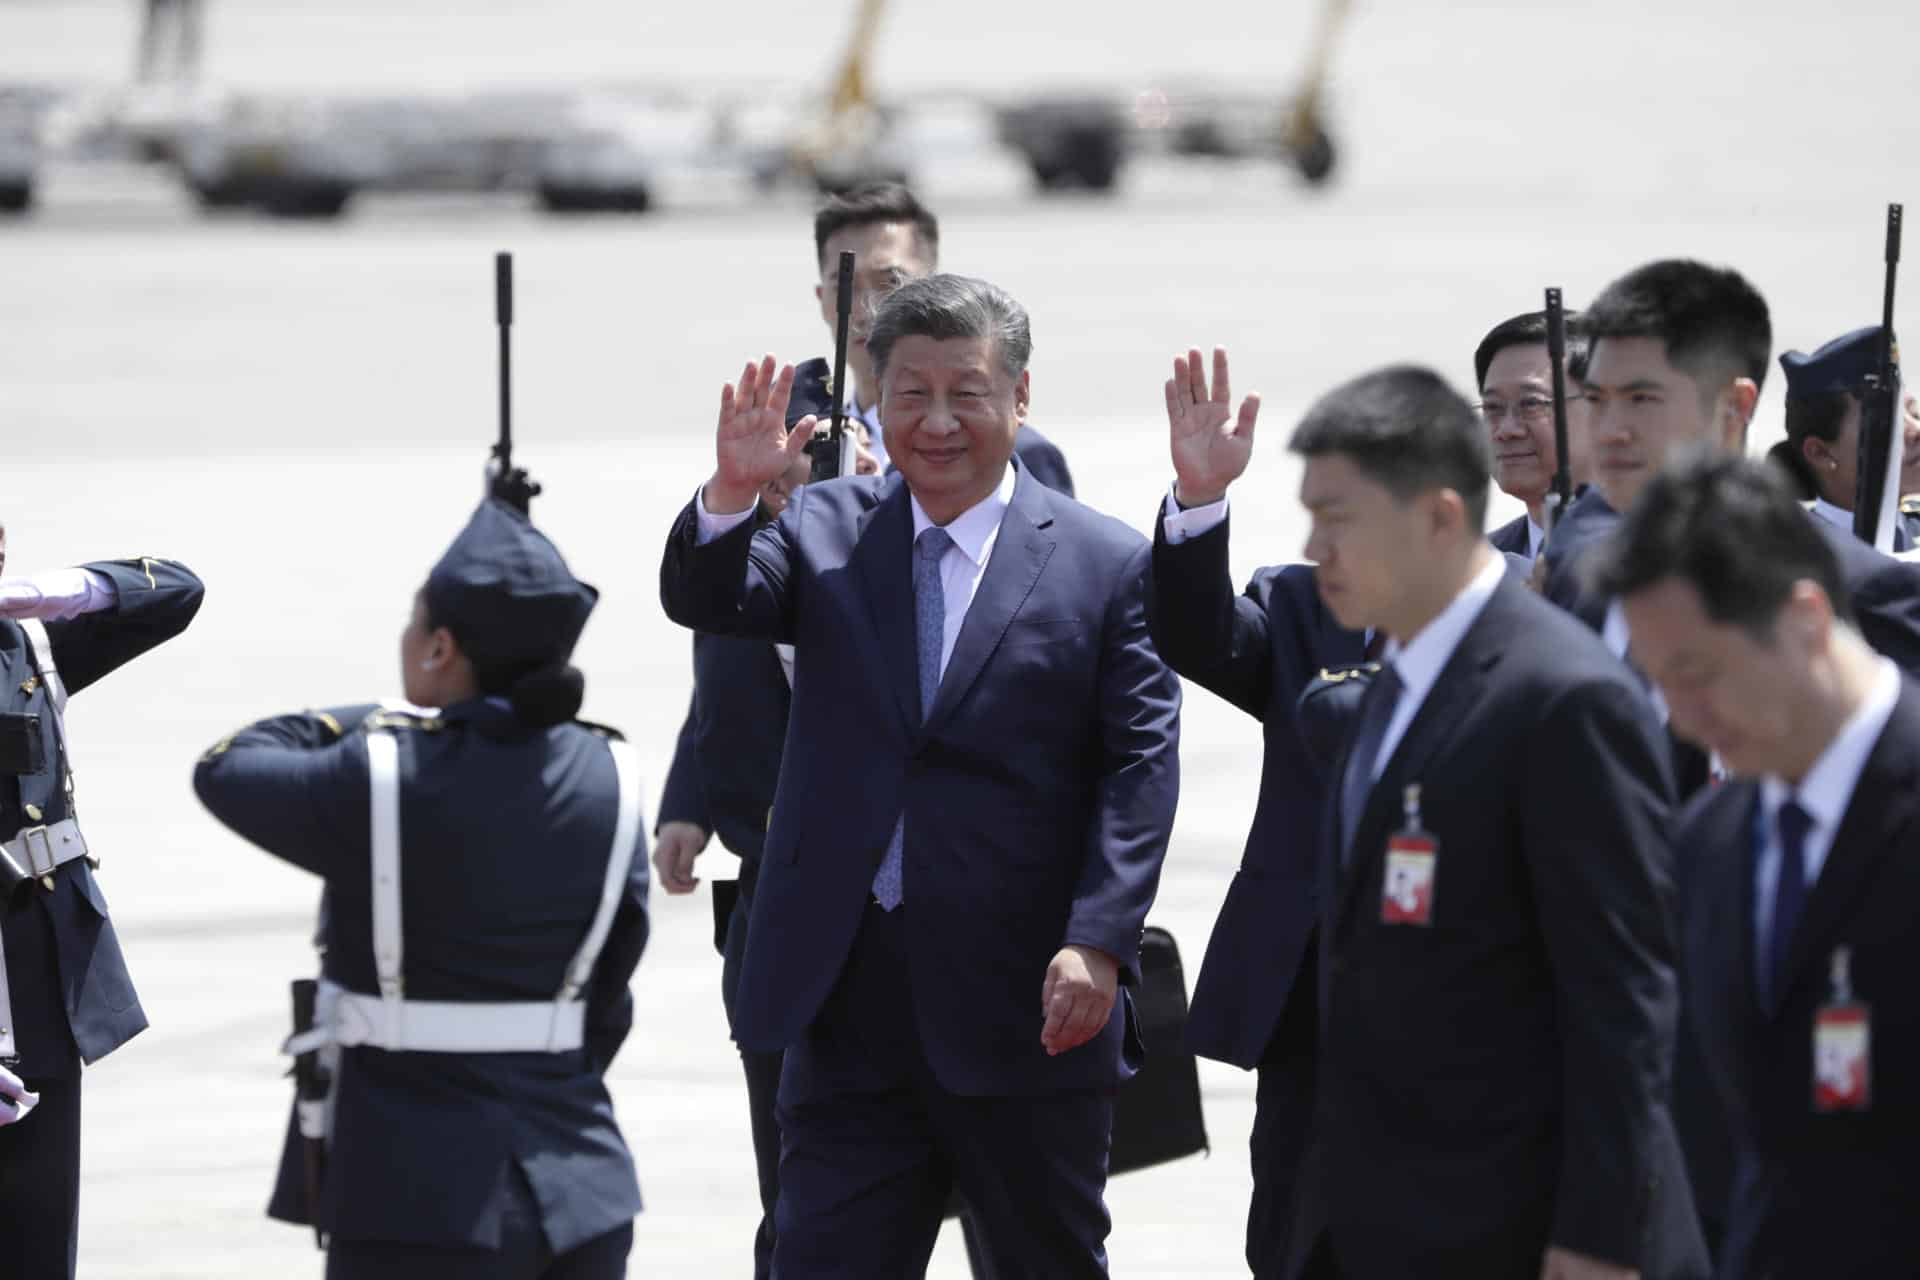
39	850
347	1018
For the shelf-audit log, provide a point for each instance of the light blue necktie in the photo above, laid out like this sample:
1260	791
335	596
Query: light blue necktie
930	623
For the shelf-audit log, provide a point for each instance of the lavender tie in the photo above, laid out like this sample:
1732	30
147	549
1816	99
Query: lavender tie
930	623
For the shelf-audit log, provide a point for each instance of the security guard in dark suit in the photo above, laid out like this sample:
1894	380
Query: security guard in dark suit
65	997
486	871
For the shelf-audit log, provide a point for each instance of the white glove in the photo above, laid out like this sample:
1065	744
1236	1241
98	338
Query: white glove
63	593
11	1086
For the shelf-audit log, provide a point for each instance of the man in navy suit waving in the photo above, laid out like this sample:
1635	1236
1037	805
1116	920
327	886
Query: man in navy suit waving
942	949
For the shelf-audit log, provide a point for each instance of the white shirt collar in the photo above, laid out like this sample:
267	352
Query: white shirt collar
1535	536
1842	520
1420	662
1827	789
973	529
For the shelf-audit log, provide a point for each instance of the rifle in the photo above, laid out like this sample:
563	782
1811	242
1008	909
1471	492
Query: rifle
1561	491
832	450
312	1082
511	484
1876	499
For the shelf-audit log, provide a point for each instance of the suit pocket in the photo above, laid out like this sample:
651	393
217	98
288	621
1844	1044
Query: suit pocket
1029	631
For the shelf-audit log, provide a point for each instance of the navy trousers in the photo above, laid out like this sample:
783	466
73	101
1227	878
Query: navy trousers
1282	1115
763	1091
40	1184
872	1145
523	1253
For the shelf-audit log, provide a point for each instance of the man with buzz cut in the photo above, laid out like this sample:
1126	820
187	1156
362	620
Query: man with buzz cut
1798	949
1496	993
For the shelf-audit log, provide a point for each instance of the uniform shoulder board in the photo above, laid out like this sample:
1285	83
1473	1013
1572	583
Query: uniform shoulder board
420	721
602	730
1910	505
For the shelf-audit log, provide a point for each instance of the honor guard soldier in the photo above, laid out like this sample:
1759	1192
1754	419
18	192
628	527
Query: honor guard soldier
486	874
1822	449
65	997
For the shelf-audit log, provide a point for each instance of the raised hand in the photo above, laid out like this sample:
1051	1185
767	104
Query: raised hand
752	445
1208	455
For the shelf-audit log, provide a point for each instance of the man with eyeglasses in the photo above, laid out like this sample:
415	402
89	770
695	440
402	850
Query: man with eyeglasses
1515	376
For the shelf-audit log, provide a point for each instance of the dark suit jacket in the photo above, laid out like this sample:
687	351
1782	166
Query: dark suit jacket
1259	651
1498	1082
1883	593
1038	794
72	998
1815	1195
506	833
1513	537
726	769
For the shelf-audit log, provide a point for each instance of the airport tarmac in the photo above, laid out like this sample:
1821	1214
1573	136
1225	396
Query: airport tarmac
301	413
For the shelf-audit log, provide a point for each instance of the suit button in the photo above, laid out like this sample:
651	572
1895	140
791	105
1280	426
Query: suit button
33	813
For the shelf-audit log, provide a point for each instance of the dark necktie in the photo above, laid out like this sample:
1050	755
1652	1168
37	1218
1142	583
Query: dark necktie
1791	823
1376	713
930	627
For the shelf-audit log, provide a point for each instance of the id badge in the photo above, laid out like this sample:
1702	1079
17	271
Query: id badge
1413	860
1842	1047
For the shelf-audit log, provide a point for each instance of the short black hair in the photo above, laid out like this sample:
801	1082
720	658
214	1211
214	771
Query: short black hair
1729	527
872	203
1407	429
1530	330
1714	324
950	306
1819	417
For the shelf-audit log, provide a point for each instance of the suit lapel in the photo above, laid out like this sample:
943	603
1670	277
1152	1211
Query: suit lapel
1440	716
1881	808
1019	553
883	557
1719	897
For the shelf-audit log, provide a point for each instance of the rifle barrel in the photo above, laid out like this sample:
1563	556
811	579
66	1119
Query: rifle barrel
503	317
1557	358
842	324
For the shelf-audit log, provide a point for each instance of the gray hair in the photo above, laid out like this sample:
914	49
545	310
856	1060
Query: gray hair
949	306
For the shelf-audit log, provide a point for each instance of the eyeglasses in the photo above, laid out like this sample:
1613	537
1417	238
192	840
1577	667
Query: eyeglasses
1530	411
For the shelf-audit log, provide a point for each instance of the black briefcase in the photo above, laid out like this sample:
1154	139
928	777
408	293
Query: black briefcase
1156	1116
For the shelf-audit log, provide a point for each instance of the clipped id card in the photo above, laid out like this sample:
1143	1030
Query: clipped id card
1842	1046
1413	863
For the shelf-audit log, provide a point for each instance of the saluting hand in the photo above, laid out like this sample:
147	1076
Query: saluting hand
752	445
674	849
1208	455
1077	998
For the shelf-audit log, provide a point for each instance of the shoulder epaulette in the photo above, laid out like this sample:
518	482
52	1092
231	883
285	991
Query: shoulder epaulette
602	730
418	721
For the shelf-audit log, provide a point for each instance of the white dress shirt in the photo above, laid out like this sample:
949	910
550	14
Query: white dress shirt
1181	523
1535	536
1824	793
1420	662
974	531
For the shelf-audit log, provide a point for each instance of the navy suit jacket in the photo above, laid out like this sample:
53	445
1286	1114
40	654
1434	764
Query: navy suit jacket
1514	537
1498	1081
726	769
1259	651
72	998
1038	793
505	834
1815	1195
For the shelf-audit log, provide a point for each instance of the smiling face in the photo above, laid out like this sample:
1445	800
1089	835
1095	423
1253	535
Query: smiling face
885	256
950	411
1642	409
1517	403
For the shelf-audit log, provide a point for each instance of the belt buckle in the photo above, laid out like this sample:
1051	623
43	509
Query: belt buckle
43	871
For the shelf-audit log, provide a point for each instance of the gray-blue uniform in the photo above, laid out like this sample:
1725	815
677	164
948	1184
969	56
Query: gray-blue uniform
65	996
443	1157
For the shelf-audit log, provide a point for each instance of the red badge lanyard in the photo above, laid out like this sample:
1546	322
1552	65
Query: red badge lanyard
1842	1044
1413	861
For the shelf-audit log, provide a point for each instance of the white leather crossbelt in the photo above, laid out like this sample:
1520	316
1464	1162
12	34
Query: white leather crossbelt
390	1020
